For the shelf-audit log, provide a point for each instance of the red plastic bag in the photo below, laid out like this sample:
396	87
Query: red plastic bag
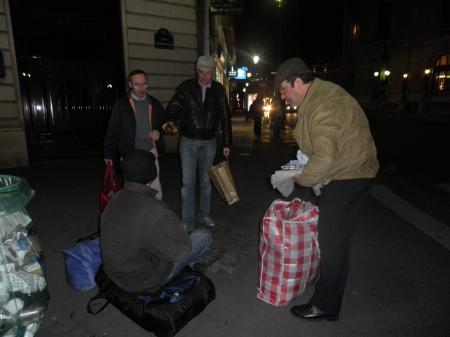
289	251
111	184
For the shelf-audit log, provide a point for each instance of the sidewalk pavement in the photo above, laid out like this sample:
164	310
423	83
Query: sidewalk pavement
398	284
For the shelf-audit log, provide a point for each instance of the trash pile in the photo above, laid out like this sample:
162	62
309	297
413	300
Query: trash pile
23	287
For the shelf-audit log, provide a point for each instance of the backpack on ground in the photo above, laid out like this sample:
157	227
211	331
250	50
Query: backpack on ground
164	312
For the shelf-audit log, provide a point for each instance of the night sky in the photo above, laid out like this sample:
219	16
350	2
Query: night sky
309	29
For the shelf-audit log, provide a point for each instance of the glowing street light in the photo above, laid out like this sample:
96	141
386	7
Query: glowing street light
255	59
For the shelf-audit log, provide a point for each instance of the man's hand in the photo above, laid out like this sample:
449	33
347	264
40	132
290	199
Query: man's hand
108	161
154	135
226	152
170	128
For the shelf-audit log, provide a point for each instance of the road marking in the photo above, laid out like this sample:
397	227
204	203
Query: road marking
444	187
435	229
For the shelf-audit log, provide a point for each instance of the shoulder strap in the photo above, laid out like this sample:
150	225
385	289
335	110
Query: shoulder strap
175	293
149	113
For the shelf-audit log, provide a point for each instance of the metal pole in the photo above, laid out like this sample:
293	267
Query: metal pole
206	27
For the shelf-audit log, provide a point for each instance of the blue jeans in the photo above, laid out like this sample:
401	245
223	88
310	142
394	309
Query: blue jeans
196	157
201	240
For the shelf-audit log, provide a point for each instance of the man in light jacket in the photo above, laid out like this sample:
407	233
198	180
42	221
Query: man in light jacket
333	131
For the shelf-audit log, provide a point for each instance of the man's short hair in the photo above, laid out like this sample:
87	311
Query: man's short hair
291	69
139	167
136	72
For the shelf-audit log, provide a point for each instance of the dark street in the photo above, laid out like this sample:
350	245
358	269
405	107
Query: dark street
399	277
83	83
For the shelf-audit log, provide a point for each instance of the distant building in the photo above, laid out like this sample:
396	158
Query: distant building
396	55
55	98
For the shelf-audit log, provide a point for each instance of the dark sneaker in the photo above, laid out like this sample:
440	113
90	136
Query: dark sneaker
207	221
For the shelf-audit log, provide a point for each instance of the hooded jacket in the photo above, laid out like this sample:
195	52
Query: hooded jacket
141	238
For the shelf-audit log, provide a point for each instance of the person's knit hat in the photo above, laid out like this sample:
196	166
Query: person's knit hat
139	167
206	62
292	66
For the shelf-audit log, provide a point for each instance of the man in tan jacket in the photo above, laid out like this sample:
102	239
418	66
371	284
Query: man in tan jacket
333	131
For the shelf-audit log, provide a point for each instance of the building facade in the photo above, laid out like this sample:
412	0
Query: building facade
13	145
43	113
396	55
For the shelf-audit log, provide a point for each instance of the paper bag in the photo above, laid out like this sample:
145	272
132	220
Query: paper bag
223	181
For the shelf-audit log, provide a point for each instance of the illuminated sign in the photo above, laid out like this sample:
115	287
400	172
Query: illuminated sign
238	74
241	74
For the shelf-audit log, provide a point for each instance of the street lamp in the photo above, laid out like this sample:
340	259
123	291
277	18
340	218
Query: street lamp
255	59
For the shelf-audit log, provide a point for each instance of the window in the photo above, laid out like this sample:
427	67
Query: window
441	73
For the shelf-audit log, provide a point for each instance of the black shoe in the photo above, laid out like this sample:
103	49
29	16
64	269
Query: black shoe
311	312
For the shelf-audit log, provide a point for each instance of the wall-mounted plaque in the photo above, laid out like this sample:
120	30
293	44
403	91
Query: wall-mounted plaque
163	39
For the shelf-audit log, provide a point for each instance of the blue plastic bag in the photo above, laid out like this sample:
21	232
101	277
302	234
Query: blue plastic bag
82	263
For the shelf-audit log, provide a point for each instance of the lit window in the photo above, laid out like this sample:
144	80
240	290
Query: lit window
441	74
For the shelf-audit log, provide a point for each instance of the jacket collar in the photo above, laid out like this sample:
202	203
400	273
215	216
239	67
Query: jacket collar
206	86
139	188
309	93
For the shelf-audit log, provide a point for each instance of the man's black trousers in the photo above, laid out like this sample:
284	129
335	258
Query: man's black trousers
340	205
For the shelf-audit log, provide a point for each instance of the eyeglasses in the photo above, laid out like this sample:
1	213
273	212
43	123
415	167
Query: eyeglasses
283	89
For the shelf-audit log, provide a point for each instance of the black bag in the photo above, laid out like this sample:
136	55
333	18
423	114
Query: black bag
164	312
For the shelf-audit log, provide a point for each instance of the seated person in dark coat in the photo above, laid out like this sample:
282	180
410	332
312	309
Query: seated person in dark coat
144	243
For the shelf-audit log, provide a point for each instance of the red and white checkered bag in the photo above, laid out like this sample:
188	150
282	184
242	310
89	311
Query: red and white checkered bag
289	251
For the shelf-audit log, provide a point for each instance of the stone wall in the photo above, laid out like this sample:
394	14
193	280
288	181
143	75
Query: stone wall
166	67
13	147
